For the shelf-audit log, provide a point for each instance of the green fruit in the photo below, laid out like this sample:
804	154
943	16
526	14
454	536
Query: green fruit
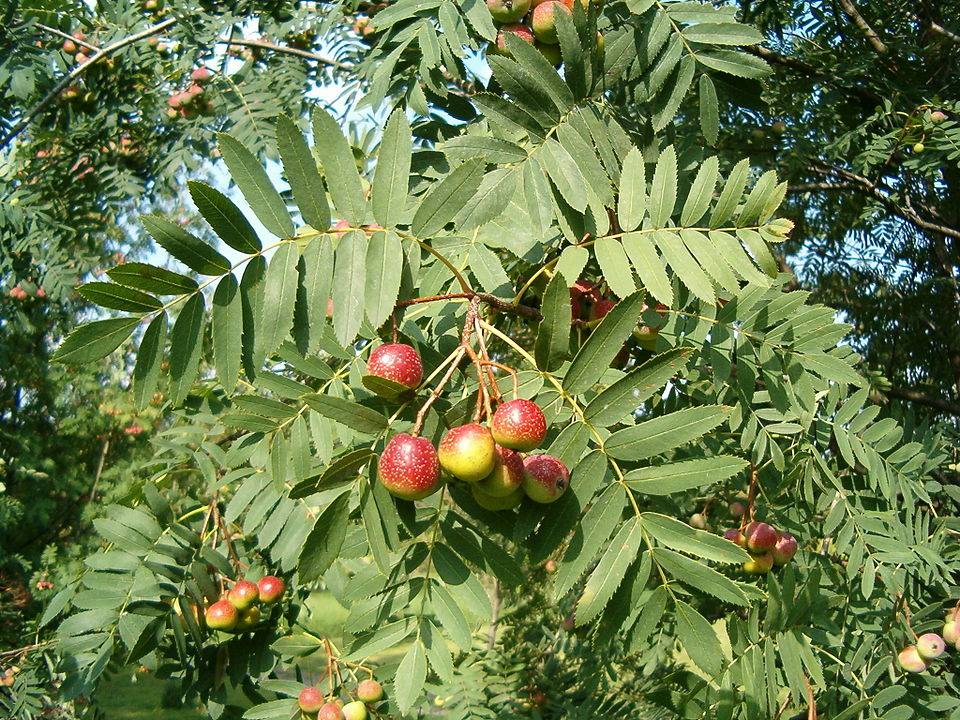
507	475
508	11
930	646
468	452
918	147
355	710
249	619
759	564
492	502
951	632
551	53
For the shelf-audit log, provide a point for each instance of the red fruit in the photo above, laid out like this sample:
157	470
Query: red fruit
370	691
330	711
601	307
271	589
177	99
507	475
69	47
194	90
81	58
201	74
759	564
937	117
508	11
243	594
398	363
735	536
519	425
568	623
785	549
468	452
910	660
341	225
409	468
761	537
545	478
521	32
550	566
544	20
221	615
310	700
737	509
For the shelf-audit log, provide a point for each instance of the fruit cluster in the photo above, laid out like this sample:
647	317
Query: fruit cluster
487	458
766	545
313	703
191	101
533	22
239	608
930	646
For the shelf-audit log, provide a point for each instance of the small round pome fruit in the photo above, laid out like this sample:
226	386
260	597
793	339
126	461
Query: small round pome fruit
759	564
507	475
697	520
370	691
396	362
521	32
761	537
355	710
243	594
508	11
249	619
494	502
221	615
785	549
544	20
550	566
937	117
918	147
545	478
737	509
930	646
468	452
554	56
910	660
519	425
735	536
330	711
271	589
409	468
951	633
310	700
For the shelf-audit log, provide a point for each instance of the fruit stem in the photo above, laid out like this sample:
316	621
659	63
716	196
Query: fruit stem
456	356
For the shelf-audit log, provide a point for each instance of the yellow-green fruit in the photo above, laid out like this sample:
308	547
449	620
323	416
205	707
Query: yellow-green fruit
249	619
551	52
918	147
491	502
507	475
951	632
355	710
468	452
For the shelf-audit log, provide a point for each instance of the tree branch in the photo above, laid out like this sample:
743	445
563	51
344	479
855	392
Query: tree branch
78	41
322	59
79	70
854	14
915	396
812	72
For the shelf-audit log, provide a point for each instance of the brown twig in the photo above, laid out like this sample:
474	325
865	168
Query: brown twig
455	357
851	11
263	44
66	36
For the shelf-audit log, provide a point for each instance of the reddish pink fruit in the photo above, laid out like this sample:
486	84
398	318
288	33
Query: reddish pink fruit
737	509
735	536
519	425
330	711
271	589
937	117
468	452
243	594
785	549
69	47
761	537
521	32
409	467
545	478
201	74
544	20
370	691
398	363
310	700
930	646
221	615
81	58
601	307
910	660
507	475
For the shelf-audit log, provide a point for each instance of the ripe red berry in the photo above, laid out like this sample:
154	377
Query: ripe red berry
201	74
761	537
545	478
544	21
494	502
370	691
271	589
735	536
910	660
601	307
785	548
310	700
507	475
330	711
397	363
409	468
521	32
243	594
221	615
519	425
930	646
468	452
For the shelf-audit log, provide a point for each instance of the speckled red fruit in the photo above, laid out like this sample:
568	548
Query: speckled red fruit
544	20
761	537
243	594
310	700
330	711
545	478
271	589
735	536
508	11
521	32
468	452
519	425
930	646
409	467
507	475
601	307
785	549
759	564
398	363
370	691
221	615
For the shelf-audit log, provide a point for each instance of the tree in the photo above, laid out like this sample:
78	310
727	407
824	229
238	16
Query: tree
556	239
